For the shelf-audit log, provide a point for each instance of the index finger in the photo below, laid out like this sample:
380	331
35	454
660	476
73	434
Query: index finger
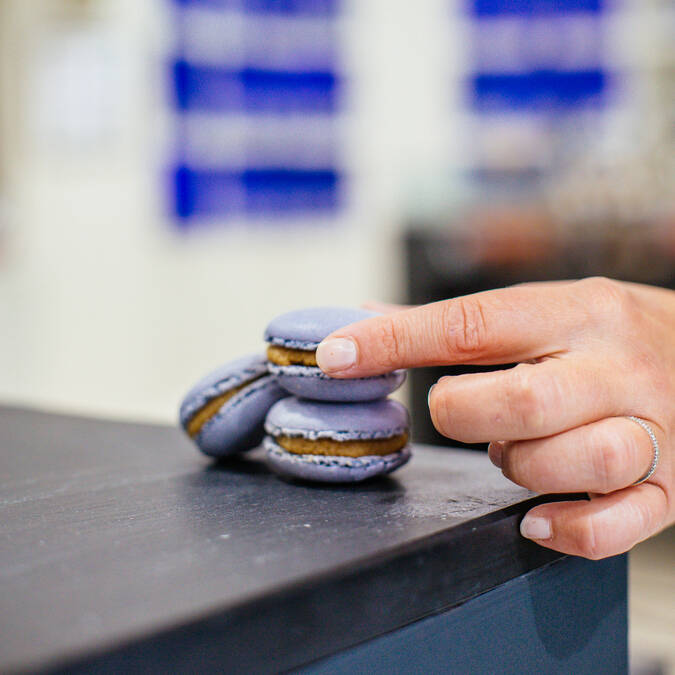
501	326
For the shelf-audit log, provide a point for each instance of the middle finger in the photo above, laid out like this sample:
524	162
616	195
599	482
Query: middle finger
528	401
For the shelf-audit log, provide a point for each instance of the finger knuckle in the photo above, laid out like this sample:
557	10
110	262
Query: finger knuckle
389	344
529	397
643	518
609	299
610	461
465	326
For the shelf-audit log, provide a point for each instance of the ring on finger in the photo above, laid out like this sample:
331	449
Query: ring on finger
655	448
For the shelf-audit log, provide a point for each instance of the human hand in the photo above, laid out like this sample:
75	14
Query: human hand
590	354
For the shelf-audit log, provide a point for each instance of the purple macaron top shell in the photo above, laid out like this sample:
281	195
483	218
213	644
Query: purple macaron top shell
306	328
338	421
224	378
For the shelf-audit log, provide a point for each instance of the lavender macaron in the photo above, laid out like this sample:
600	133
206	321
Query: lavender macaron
293	339
225	411
336	442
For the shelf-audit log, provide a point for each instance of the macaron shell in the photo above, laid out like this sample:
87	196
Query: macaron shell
305	328
331	469
310	382
338	421
239	424
222	379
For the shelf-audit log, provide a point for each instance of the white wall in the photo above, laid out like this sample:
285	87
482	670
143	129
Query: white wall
104	307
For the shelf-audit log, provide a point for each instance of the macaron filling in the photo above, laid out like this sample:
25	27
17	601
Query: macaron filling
212	407
286	356
351	448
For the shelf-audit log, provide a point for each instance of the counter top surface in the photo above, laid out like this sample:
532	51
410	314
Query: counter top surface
113	535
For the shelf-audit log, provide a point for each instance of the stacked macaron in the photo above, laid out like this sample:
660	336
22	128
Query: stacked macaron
225	411
330	430
318	428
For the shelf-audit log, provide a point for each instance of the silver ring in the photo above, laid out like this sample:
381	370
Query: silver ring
655	448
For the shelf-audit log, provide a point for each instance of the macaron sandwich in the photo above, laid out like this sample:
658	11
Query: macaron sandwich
224	412
293	339
336	442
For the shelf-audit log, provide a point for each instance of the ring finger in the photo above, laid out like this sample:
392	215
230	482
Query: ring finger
600	457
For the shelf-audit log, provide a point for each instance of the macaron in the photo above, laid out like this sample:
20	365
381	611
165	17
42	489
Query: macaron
293	339
336	442
225	411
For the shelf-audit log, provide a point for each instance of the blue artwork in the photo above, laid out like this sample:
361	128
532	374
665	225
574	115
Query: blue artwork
537	83
256	91
540	56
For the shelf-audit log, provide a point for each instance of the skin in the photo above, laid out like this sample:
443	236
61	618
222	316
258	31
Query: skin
589	353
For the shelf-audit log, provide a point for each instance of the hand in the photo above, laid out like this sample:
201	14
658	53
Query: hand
590	353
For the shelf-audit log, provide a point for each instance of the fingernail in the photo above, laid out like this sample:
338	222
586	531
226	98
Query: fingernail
535	527
431	388
335	355
495	450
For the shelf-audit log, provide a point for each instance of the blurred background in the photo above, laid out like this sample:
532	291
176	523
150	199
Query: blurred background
173	174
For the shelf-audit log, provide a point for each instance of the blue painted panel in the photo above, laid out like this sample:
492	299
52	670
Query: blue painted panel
541	90
291	7
568	617
315	7
209	88
260	192
218	4
272	190
204	193
286	92
486	8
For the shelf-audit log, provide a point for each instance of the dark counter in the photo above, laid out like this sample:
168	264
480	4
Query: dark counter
121	546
